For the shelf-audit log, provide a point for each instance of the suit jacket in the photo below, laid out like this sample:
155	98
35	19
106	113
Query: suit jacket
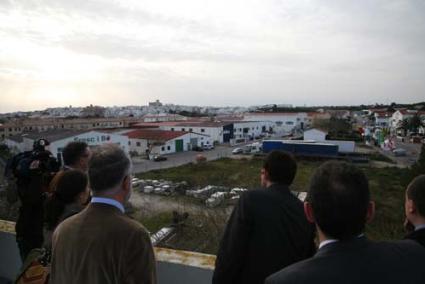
102	245
266	232
358	261
418	236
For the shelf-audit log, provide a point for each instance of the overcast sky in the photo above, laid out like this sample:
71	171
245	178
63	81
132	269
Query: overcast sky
219	52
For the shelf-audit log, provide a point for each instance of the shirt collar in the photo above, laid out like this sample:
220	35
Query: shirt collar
419	227
324	243
330	241
108	201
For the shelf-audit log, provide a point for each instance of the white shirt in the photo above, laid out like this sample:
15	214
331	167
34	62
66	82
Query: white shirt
419	227
330	241
108	201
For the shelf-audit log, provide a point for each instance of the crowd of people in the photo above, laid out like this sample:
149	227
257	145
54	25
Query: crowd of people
271	236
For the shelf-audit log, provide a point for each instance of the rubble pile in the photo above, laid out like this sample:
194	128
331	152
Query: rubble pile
160	187
212	195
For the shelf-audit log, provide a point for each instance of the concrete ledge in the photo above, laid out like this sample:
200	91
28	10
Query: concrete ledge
174	266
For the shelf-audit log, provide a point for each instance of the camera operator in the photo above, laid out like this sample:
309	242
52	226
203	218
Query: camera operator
34	170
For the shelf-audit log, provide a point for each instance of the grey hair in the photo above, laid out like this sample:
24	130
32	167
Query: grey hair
108	167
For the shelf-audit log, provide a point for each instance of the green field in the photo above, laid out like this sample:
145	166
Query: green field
385	184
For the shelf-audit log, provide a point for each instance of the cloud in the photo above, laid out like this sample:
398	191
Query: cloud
228	52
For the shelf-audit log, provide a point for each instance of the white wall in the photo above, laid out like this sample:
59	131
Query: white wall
215	133
14	147
92	138
254	129
314	134
138	145
282	123
170	146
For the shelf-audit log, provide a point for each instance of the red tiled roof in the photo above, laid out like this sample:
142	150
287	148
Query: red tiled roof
157	135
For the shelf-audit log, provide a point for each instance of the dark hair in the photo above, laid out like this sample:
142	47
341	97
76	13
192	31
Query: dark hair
73	151
281	167
339	195
107	167
416	193
69	185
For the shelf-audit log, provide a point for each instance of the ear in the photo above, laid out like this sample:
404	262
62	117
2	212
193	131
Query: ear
308	211
126	183
370	211
410	206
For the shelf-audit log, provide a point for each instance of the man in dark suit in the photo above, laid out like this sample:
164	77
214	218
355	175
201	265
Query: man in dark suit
339	204
267	229
101	244
415	210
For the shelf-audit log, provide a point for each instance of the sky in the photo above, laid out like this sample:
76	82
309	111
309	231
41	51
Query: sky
217	53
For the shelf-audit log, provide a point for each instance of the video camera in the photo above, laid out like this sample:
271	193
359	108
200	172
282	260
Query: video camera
47	163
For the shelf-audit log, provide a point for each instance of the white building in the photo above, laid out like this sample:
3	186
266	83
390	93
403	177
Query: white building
15	144
163	117
60	138
315	134
248	130
219	132
281	123
155	141
401	115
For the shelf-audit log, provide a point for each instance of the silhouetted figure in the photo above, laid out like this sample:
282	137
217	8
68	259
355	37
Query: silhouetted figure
415	210
101	245
339	204
267	229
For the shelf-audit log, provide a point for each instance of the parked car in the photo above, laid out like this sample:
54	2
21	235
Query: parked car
399	152
237	151
207	147
197	149
159	158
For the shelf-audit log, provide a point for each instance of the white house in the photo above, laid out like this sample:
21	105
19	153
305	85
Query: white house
401	115
155	141
383	119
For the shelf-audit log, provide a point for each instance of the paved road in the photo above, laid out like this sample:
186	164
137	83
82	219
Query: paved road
182	158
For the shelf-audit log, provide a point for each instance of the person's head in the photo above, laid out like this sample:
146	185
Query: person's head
76	155
110	173
71	187
415	201
338	200
278	167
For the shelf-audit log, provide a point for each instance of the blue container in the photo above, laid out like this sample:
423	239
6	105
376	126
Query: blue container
301	149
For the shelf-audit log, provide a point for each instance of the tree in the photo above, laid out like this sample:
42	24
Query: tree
414	123
403	125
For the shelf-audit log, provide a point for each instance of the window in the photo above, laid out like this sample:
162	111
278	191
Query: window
183	129
172	129
162	148
168	148
202	130
138	144
190	129
289	123
129	143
